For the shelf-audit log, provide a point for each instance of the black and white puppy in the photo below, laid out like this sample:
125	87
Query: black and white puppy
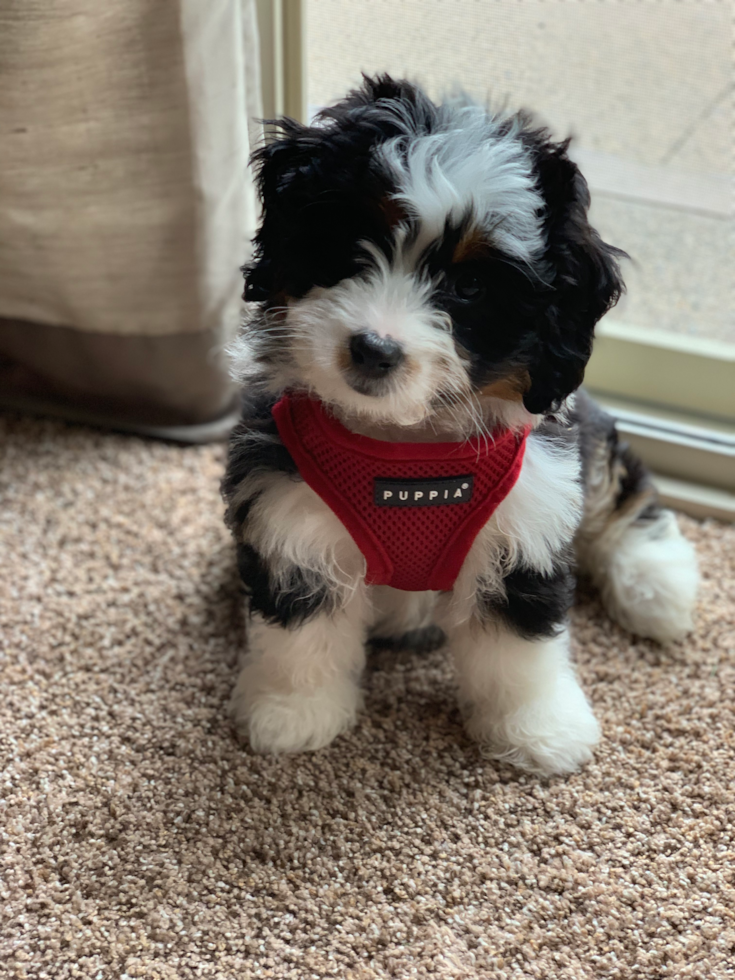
428	273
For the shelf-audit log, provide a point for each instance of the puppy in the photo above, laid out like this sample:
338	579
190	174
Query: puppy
425	287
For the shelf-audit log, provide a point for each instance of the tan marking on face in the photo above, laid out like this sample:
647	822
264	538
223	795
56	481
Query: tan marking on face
510	389
471	246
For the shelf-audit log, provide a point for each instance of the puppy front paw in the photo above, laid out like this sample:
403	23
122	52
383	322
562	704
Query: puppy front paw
294	722
551	735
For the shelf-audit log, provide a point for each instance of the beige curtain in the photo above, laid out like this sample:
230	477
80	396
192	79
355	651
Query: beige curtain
126	206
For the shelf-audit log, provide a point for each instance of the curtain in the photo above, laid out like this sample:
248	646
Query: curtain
126	205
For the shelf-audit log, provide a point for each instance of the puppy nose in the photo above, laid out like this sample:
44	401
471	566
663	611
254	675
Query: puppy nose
373	355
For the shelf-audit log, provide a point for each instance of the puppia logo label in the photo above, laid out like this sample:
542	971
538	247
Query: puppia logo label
423	493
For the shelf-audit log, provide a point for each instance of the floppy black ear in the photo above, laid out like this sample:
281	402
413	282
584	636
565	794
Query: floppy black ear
282	177
316	185
320	190
584	278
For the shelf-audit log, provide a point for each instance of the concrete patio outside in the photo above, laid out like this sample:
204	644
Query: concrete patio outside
645	86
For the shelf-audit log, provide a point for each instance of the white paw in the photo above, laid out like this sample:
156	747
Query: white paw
553	734
294	722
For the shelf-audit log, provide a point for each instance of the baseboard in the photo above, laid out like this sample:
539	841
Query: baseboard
196	434
693	459
696	500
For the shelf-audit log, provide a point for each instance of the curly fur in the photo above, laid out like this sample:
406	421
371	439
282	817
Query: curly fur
458	240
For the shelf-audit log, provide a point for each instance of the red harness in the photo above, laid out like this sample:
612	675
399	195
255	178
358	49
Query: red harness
413	508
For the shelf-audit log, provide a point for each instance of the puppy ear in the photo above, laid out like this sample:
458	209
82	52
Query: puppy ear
278	165
320	191
583	275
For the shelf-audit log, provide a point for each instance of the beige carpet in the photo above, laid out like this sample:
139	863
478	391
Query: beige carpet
140	840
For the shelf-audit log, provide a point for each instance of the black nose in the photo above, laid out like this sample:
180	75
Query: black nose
375	356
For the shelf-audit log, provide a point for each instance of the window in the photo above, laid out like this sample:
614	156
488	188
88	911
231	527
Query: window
646	88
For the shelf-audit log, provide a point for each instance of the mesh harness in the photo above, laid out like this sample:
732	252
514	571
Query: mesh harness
413	509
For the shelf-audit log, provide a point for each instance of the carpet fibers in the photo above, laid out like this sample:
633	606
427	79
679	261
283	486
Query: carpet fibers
139	839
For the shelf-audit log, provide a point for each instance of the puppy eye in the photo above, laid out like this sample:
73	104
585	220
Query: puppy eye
469	287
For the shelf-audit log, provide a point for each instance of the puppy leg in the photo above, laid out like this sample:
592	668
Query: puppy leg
521	699
299	687
309	607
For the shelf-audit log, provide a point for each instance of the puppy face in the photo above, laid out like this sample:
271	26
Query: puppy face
420	262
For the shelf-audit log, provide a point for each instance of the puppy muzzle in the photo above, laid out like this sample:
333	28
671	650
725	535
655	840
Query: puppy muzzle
373	361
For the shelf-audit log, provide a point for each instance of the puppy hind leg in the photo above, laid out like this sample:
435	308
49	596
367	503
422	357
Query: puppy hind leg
647	575
628	544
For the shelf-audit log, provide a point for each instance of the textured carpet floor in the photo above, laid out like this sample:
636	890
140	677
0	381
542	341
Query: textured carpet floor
140	840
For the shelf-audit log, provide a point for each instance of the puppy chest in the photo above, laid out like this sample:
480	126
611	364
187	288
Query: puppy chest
413	509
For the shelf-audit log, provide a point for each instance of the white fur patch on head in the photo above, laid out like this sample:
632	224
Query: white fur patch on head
470	166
